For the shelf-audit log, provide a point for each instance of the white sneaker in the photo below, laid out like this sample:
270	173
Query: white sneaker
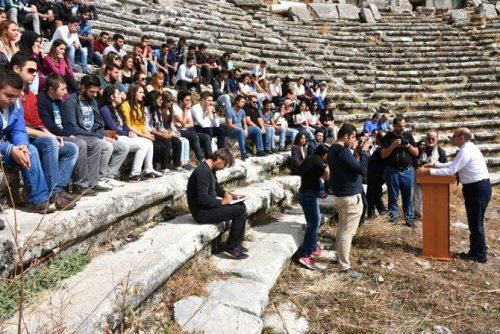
115	183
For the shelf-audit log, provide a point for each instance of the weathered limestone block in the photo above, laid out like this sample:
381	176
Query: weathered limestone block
247	3
324	10
457	4
406	5
348	12
486	10
378	3
498	6
429	3
286	320
459	16
443	4
300	14
375	12
367	16
282	7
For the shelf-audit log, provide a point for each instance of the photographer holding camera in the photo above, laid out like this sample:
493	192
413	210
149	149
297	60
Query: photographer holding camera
398	151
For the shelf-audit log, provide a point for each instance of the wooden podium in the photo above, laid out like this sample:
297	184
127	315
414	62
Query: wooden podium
436	216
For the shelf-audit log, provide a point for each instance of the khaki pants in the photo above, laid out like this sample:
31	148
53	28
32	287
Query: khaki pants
349	209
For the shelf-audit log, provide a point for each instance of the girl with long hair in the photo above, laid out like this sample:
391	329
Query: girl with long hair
167	111
9	37
135	118
57	61
299	153
115	128
127	70
301	120
156	125
157	83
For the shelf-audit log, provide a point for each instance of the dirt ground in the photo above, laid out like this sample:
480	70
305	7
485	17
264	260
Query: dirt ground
400	292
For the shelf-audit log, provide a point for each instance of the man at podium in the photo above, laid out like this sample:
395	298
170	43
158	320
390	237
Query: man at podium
470	166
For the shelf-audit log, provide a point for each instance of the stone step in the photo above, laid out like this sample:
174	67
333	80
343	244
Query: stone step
428	88
123	207
425	73
419	126
242	298
458	80
362	59
398	106
106	284
410	96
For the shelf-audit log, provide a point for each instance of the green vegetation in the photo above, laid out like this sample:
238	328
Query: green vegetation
41	280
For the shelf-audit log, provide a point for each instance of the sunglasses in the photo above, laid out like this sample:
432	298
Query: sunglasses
142	79
32	70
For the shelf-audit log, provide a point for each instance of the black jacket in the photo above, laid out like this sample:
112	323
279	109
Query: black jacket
202	190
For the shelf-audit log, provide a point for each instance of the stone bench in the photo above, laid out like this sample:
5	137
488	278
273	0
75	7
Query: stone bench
114	282
126	205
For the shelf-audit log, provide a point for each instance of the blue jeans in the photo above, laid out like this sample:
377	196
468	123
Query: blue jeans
270	132
477	195
82	53
33	177
310	205
400	180
319	101
290	132
57	162
254	131
238	134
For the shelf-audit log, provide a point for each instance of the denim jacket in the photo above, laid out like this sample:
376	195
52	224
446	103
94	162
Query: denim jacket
15	132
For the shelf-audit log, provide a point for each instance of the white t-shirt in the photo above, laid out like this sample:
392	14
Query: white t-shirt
5	117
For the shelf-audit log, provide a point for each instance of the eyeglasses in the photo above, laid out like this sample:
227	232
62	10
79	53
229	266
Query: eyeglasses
32	70
253	101
142	79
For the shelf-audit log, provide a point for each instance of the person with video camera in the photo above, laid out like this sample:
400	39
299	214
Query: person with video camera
398	151
347	169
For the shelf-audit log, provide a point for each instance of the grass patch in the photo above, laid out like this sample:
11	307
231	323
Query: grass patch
265	217
41	280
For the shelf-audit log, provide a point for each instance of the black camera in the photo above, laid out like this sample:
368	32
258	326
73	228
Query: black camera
404	142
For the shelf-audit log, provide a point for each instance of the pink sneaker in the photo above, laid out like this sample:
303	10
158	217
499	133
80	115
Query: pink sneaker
307	262
316	252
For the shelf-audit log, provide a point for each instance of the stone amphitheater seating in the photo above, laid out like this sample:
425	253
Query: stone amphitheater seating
439	75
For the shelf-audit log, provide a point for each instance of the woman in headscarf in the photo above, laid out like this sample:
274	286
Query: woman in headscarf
30	43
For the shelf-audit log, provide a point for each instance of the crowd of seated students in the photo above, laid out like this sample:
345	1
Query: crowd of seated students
127	105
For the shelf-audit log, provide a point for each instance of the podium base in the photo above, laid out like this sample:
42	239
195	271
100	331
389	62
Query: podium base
438	258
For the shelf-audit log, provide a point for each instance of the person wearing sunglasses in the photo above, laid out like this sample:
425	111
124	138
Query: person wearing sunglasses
56	156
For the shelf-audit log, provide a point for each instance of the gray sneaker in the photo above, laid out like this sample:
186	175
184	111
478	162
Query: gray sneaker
353	273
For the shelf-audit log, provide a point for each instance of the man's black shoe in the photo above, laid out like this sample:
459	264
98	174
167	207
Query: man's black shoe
83	191
261	154
244	156
468	257
393	221
243	249
410	223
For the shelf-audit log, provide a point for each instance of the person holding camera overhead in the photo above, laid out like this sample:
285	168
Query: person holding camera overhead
398	151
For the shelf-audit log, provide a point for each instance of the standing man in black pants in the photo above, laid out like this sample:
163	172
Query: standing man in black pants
476	188
202	192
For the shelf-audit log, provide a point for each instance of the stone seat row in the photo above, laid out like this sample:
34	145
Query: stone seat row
124	279
450	80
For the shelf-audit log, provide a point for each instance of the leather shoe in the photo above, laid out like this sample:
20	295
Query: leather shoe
61	202
83	191
43	207
468	257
